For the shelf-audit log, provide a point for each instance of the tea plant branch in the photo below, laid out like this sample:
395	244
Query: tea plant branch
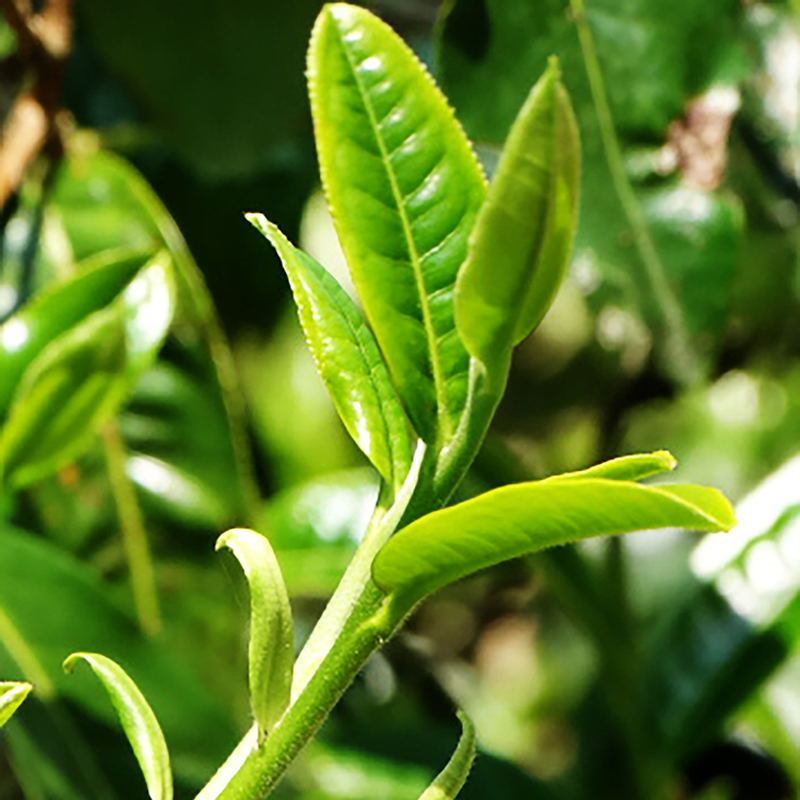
680	358
134	535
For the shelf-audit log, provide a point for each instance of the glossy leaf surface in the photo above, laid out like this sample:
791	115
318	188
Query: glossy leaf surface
347	358
71	388
523	518
12	694
449	781
56	310
271	648
137	719
520	247
404	189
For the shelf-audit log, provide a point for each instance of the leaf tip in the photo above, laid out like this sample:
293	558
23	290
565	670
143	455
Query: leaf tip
669	460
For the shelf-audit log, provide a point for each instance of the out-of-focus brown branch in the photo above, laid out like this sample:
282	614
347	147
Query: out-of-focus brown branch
32	124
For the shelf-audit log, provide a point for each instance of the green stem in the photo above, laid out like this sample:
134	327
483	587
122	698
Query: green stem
680	358
134	536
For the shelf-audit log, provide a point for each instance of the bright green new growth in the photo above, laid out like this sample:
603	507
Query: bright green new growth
520	246
404	189
347	358
12	694
271	648
138	721
627	468
449	781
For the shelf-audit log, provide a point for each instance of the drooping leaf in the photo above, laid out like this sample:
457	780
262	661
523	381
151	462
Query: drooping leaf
271	648
347	358
626	468
57	309
523	518
75	385
12	694
404	189
138	721
449	781
519	249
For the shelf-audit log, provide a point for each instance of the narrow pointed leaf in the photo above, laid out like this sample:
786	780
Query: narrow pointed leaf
523	518
626	468
75	385
12	693
404	189
271	650
521	243
449	781
137	719
57	309
348	359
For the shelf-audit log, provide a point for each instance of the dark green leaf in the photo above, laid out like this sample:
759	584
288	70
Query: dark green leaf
523	518
347	358
138	720
520	247
12	694
74	386
56	310
271	649
404	189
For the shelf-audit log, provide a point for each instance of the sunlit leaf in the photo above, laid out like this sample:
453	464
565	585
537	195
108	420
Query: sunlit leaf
347	358
449	781
138	721
520	247
627	468
271	649
523	518
12	694
404	189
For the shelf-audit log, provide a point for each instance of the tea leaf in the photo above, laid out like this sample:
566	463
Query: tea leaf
404	189
12	693
520	246
271	650
627	468
138	721
523	518
348	359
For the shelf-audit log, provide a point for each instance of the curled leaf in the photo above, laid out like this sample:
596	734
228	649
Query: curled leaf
138	721
271	649
520	246
449	781
523	518
12	693
626	468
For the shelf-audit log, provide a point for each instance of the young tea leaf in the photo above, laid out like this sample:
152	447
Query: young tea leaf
348	359
449	781
626	468
523	518
404	189
138	721
53	312
70	389
520	246
271	650
12	693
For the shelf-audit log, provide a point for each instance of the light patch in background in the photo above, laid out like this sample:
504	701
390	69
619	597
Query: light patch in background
756	566
734	399
13	335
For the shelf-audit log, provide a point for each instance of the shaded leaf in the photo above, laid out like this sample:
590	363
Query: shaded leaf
347	358
519	249
12	694
271	648
138	720
404	189
449	781
511	521
74	386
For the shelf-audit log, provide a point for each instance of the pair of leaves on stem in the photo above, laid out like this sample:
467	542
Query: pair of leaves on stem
68	358
445	273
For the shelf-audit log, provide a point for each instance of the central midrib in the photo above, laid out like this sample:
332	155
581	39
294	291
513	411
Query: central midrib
443	419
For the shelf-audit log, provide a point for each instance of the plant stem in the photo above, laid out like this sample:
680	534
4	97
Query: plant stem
680	358
134	536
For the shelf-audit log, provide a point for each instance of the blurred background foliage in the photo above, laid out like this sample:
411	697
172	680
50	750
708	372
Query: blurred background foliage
660	660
